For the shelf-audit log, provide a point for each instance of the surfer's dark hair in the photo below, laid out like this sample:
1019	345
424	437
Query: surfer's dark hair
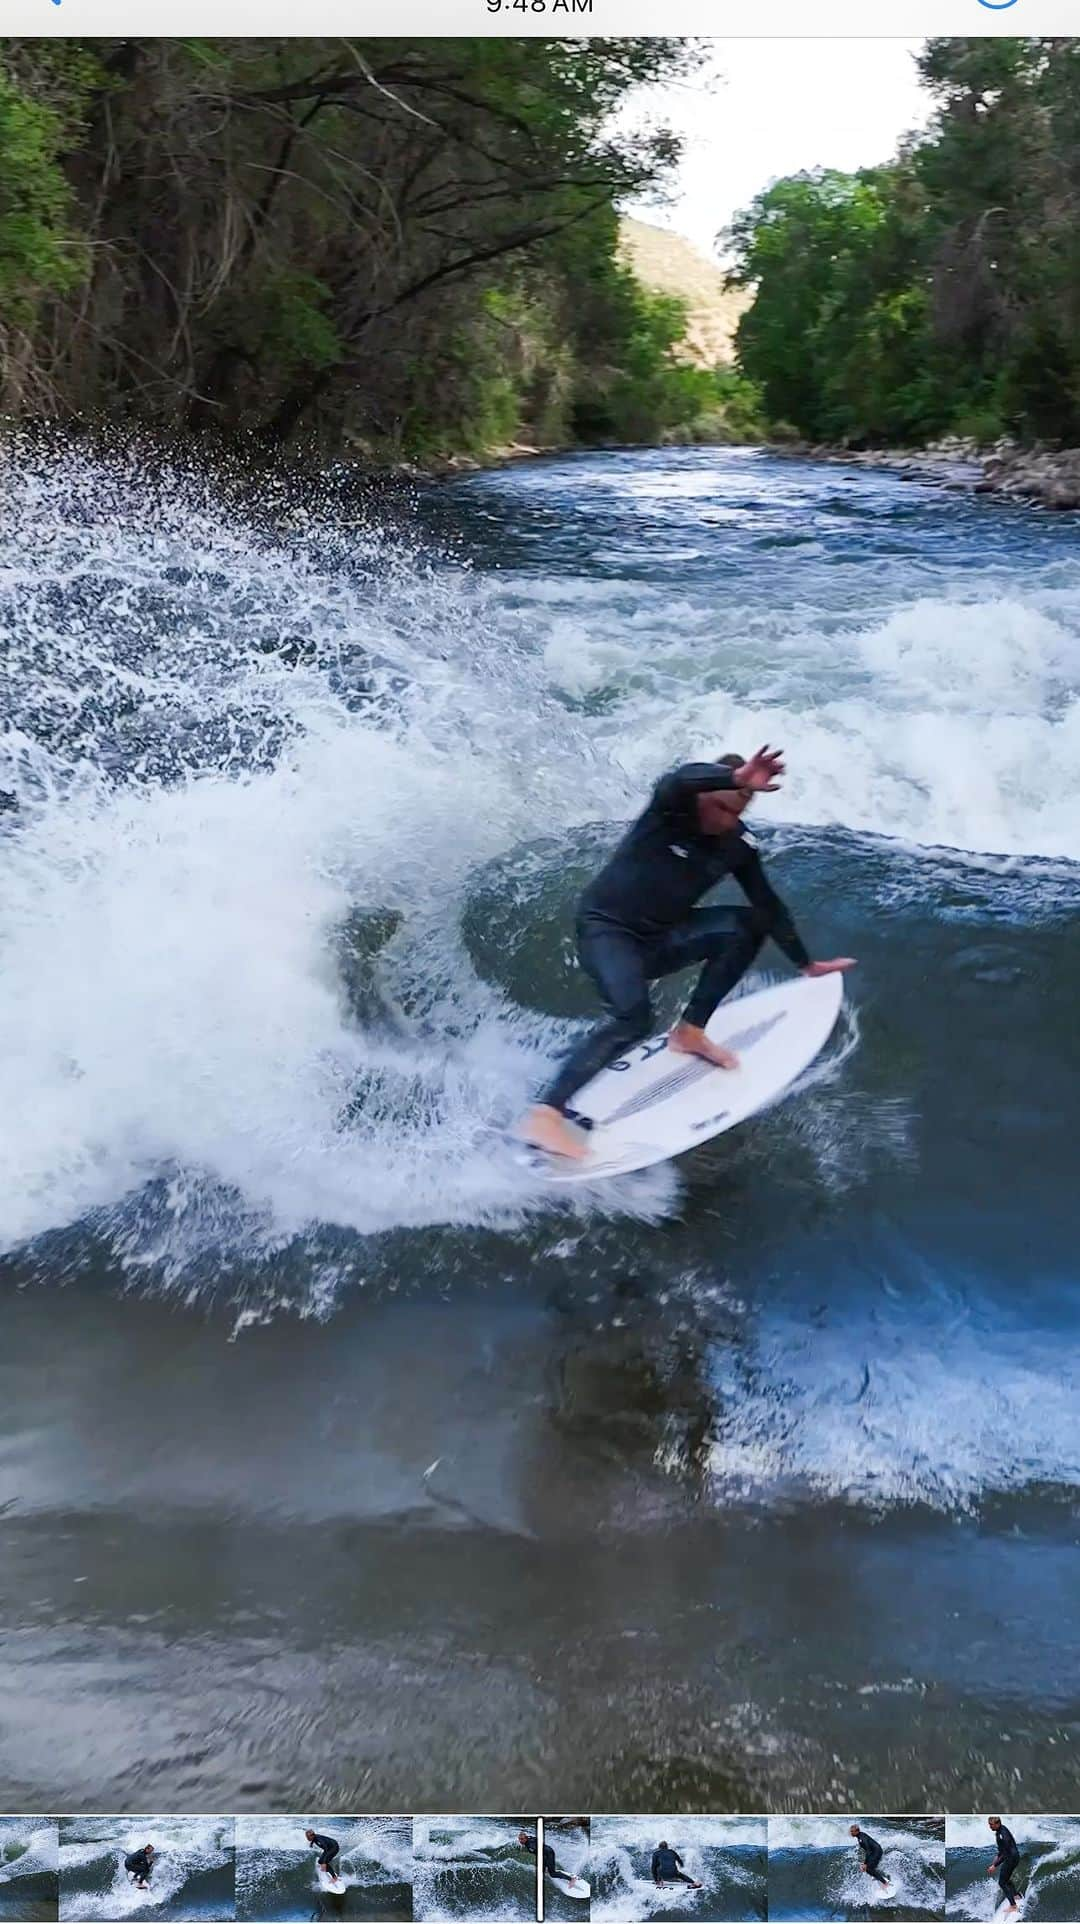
663	1844
732	761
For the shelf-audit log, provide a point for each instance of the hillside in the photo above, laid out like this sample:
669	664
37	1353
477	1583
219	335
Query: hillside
669	264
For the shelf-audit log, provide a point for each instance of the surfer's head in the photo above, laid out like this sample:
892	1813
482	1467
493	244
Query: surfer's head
663	1844
149	1851
310	1835
994	1823
523	1836
854	1831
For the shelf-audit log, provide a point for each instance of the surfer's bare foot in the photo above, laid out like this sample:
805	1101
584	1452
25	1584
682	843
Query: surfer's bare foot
689	1041
547	1128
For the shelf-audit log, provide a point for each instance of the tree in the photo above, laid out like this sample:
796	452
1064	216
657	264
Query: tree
941	291
288	233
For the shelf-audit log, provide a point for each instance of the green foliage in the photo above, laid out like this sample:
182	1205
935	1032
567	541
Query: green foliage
36	253
407	243
940	293
294	326
737	413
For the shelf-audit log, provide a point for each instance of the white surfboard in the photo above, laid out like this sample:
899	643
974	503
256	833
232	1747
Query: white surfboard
653	1104
148	1895
574	1886
327	1882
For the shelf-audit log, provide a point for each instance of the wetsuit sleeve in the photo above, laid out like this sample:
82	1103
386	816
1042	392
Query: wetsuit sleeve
655	1865
674	791
677	1858
761	895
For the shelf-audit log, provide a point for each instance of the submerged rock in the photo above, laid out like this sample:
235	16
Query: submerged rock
361	938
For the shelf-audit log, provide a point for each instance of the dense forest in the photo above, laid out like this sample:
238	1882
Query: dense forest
409	248
405	248
940	293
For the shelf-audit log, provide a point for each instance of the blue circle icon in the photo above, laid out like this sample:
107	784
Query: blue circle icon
997	6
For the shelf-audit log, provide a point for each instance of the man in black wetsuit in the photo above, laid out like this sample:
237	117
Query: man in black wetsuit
870	1854
328	1848
1006	1861
637	920
551	1868
667	1867
138	1865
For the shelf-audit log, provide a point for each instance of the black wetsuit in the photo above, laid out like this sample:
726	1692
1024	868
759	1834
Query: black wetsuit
667	1867
549	1865
328	1847
637	920
139	1865
1008	1857
871	1853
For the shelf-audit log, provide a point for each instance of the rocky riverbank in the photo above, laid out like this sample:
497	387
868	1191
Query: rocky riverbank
1050	477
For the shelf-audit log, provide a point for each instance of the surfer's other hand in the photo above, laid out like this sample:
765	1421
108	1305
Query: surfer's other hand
762	771
836	967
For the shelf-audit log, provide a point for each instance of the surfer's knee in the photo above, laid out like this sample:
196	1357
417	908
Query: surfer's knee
635	1022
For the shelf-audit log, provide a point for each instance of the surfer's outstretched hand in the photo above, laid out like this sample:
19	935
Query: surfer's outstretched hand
836	967
763	770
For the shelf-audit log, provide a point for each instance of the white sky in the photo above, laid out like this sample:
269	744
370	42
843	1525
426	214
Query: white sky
763	108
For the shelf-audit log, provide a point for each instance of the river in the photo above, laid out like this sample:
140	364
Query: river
340	1462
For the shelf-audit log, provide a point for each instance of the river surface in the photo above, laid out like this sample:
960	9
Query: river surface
340	1464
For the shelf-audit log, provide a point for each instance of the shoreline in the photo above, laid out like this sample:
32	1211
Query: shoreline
1035	475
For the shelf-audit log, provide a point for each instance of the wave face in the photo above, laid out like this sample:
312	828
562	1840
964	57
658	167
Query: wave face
258	756
726	1855
472	1867
276	1876
1048	1873
28	1869
193	1873
814	1869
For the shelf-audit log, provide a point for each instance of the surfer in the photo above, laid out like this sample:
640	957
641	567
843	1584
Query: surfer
637	920
328	1848
870	1854
138	1865
1006	1861
667	1867
551	1868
